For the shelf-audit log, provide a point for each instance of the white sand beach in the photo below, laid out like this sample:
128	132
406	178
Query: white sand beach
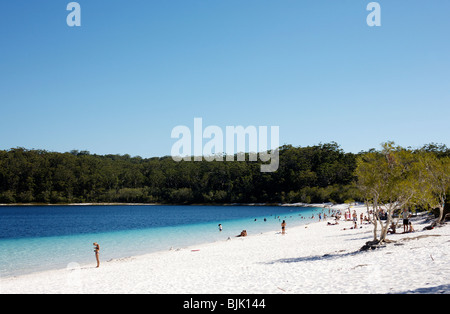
316	258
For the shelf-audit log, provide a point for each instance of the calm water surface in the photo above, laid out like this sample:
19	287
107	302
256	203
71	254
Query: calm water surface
37	238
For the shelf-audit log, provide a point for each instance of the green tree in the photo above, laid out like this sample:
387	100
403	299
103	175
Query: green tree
389	178
435	181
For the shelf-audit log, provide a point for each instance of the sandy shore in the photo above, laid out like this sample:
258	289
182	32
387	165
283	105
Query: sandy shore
316	258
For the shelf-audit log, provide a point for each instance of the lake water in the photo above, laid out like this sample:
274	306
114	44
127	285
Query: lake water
38	238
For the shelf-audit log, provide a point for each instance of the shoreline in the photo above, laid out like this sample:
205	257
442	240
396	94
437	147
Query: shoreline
174	244
188	248
117	243
314	258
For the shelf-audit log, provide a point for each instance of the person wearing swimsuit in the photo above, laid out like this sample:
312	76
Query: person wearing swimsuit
283	227
97	252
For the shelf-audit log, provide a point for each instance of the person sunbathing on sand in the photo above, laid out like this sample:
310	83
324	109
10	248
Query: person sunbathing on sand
392	228
243	234
411	229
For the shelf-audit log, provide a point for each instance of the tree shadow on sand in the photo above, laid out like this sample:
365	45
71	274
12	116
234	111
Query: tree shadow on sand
442	289
314	258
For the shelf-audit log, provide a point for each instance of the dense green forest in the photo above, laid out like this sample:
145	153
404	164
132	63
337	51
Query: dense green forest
319	173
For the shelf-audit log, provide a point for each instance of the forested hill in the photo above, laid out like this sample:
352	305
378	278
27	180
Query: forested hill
318	173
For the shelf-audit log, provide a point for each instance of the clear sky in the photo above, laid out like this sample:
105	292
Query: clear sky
135	69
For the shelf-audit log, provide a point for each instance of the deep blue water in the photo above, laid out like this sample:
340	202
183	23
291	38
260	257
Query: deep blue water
36	238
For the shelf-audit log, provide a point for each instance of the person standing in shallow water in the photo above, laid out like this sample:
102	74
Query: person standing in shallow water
97	252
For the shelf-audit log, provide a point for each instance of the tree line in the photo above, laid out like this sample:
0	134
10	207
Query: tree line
313	174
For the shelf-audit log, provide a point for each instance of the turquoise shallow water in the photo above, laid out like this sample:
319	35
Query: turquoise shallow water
42	238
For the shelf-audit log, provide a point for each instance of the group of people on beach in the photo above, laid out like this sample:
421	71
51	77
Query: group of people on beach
406	215
244	232
407	224
348	216
382	214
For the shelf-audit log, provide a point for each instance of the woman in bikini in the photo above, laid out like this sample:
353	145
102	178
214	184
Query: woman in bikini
97	252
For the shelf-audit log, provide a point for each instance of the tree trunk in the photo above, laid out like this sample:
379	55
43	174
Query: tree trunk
383	234
375	226
385	228
372	220
441	213
375	220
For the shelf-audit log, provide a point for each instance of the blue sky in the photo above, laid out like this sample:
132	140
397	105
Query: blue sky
135	69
